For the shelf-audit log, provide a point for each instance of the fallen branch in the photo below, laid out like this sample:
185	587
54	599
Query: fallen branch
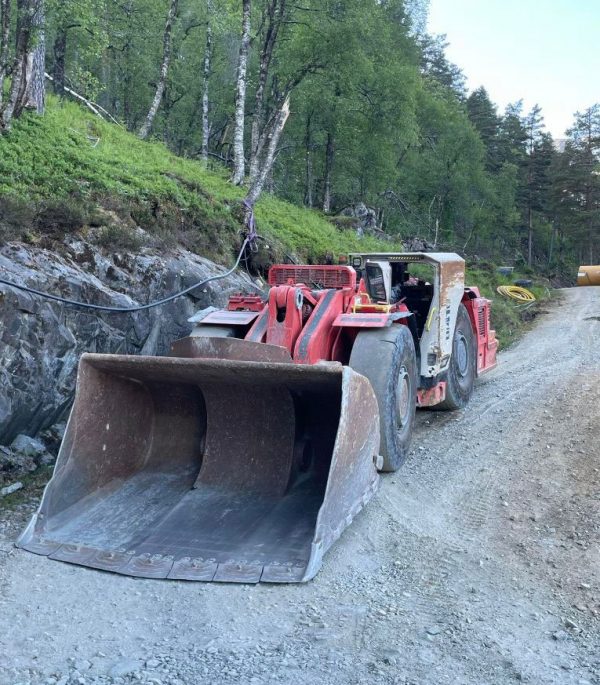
92	106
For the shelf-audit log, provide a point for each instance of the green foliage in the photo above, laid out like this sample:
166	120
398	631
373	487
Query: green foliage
378	115
16	214
60	216
115	236
508	317
69	159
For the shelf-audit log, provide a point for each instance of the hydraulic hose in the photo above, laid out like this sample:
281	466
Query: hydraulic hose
138	308
515	292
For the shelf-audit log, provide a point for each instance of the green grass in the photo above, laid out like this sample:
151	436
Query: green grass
72	155
62	166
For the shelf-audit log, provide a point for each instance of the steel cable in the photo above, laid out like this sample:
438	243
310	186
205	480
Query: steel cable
138	308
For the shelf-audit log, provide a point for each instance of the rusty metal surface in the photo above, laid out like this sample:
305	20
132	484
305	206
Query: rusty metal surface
363	320
229	348
229	318
208	469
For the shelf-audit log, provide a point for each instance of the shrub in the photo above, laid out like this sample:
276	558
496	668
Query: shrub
16	217
120	237
61	216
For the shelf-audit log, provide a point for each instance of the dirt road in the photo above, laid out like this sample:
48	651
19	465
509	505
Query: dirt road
478	562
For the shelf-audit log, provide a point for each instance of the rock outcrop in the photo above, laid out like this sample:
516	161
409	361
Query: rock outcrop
41	341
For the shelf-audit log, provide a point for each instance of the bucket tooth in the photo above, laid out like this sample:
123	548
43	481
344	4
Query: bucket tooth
226	470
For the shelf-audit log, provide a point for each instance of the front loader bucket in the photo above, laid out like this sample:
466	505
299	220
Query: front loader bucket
208	469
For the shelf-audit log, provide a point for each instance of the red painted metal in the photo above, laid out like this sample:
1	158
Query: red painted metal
284	322
363	320
258	330
478	309
315	343
315	311
428	397
319	277
251	303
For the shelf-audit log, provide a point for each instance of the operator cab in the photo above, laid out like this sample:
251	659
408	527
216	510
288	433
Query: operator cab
391	282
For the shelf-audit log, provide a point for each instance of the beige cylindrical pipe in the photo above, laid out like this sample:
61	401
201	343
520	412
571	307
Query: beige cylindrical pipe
588	275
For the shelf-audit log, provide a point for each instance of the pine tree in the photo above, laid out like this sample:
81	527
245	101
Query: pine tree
483	115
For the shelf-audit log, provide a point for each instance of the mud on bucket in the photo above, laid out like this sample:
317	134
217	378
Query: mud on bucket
205	469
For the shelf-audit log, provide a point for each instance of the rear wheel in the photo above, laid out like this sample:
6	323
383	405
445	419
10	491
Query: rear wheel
461	372
387	357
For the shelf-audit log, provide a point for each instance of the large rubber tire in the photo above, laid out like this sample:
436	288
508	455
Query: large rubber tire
387	357
463	364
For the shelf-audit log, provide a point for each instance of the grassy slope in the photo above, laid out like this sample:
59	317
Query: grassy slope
71	153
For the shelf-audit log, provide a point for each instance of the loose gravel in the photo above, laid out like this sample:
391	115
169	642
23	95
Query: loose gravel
478	562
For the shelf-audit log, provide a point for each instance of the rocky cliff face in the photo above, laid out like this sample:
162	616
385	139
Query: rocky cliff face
41	341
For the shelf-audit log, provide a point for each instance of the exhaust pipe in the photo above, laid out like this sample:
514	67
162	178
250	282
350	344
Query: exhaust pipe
209	469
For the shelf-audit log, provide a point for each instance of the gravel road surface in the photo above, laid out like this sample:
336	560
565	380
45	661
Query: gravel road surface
478	563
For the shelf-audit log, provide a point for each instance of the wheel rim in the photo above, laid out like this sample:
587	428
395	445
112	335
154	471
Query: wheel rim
461	354
403	397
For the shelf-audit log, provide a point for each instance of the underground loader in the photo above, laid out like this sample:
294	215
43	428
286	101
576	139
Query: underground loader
243	455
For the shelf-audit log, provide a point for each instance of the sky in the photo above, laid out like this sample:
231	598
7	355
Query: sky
543	51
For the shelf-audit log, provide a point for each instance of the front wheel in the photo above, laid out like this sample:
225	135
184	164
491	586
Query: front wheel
387	357
463	364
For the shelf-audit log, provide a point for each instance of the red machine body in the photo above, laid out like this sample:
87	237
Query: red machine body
479	313
315	313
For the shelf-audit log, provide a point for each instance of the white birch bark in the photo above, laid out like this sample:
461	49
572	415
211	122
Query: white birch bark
258	183
239	167
164	71
329	152
35	97
205	86
22	65
308	192
275	12
4	38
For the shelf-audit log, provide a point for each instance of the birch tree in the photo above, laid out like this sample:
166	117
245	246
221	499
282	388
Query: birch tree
275	13
239	162
258	182
329	153
35	92
27	78
205	85
5	7
164	71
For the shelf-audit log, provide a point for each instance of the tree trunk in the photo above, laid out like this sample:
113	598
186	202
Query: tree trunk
125	68
239	167
27	85
552	241
206	76
4	39
164	70
267	164
329	152
308	192
58	72
275	13
36	76
530	237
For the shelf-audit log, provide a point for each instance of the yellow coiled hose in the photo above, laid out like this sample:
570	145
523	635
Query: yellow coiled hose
515	292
